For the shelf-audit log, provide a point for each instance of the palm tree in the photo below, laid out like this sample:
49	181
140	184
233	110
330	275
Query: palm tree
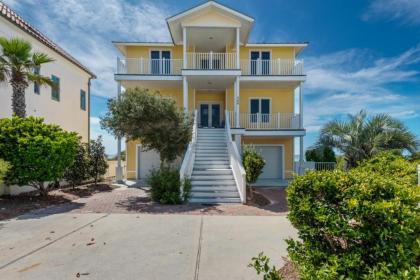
361	136
17	64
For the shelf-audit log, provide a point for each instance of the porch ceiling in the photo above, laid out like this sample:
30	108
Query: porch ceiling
211	82
211	38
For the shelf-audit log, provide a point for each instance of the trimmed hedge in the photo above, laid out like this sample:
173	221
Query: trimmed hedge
166	186
364	224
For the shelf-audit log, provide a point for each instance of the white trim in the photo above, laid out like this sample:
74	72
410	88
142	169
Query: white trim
282	154
144	44
208	4
263	132
262	78
277	45
193	72
135	77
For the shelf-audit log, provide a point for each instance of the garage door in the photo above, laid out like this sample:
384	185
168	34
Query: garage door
273	156
146	160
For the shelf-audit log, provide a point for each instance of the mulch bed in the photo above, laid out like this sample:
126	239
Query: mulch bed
13	206
289	271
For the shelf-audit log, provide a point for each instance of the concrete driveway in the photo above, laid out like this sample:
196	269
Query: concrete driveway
138	246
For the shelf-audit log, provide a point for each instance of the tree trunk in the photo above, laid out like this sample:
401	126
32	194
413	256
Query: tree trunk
18	98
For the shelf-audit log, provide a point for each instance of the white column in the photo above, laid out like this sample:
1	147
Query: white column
184	46
237	49
301	105
118	169
236	101
185	93
301	155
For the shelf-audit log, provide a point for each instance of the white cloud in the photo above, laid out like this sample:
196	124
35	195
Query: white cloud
406	11
94	120
86	28
348	81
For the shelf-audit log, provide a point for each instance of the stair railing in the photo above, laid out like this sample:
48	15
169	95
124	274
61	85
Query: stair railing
188	161
236	162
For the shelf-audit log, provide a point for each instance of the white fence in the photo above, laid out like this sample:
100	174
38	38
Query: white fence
262	67
141	66
211	61
312	165
266	121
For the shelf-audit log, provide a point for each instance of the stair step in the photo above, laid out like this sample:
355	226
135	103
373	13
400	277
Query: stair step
213	188
211	166
211	155
215	200
212	177
214	194
212	172
216	182
212	161
209	159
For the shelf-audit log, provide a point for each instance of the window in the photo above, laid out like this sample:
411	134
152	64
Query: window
160	62
83	100
36	85
259	109
260	62
55	89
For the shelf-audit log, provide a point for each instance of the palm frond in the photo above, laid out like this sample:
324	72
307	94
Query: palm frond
42	80
41	58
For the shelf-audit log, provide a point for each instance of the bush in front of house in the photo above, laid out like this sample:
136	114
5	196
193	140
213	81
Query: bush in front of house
98	164
253	163
78	172
4	167
363	224
166	185
39	153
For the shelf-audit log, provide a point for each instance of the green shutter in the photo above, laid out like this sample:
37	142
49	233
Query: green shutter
83	100
55	90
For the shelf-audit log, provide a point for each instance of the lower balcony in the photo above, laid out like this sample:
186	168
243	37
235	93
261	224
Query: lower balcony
273	121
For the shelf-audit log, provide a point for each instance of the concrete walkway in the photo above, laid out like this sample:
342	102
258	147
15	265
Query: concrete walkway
138	246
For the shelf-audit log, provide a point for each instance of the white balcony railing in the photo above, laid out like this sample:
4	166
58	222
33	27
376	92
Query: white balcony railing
142	66
211	61
273	67
266	121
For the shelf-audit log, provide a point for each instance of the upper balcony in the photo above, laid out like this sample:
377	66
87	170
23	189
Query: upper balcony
210	61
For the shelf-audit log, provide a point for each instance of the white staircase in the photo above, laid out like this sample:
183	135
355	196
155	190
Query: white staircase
212	178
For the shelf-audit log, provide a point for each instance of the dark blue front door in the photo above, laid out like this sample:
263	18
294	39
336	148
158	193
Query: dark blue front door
204	115
215	115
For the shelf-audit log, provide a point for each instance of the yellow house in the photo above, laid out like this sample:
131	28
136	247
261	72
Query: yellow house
242	93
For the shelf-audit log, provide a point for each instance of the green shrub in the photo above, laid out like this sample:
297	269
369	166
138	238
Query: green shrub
261	264
4	167
364	224
166	186
253	163
38	152
98	164
79	170
186	189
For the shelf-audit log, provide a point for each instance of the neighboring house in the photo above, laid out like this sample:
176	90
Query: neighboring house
69	104
253	90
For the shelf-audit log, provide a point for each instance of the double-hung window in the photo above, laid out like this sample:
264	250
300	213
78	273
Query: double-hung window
55	88
260	110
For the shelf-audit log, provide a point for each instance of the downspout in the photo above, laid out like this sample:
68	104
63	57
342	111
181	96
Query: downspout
89	83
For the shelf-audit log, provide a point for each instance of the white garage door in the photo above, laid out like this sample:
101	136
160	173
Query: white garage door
273	156
146	160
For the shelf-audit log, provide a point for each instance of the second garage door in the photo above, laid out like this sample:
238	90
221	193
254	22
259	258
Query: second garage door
273	156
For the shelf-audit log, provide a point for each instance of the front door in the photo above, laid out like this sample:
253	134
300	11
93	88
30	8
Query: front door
210	115
204	115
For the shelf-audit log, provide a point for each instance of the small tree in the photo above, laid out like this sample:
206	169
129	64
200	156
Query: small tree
253	163
79	170
4	167
155	120
97	159
38	152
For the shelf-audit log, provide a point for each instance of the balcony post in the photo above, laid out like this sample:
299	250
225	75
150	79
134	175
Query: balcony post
301	105
184	46
237	49
236	101
185	93
118	169
211	60
301	155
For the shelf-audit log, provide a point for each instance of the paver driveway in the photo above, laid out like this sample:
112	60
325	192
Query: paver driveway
72	242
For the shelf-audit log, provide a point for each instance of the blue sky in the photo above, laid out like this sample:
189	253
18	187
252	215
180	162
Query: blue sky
362	54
